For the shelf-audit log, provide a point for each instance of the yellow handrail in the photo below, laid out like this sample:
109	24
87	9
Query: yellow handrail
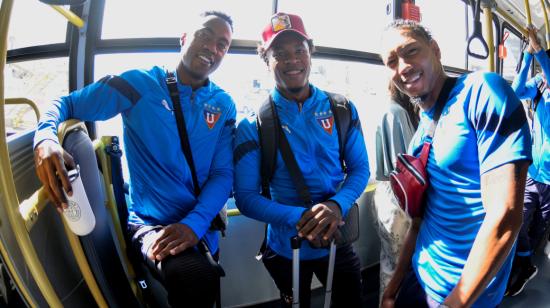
24	101
527	11
32	207
233	212
9	196
487	12
511	20
371	187
71	17
546	23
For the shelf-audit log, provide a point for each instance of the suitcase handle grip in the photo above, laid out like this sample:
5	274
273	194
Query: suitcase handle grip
295	242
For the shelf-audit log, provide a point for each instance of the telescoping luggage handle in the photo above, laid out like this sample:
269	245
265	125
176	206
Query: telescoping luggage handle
295	243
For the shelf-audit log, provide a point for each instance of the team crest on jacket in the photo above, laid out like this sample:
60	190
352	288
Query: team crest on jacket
211	115
326	120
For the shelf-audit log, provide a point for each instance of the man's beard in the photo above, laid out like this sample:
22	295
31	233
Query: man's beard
418	100
295	90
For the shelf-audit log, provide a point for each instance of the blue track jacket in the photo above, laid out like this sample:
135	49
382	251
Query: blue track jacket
313	138
161	187
540	125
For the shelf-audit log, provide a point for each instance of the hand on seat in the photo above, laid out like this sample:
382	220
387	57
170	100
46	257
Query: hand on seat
51	160
172	240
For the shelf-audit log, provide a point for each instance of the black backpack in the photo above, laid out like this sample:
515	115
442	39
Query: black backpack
268	132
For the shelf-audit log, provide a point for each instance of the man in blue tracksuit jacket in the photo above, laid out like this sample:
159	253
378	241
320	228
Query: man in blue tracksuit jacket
536	207
460	253
307	121
166	219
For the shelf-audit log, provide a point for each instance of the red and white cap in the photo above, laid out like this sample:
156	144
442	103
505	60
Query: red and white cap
280	23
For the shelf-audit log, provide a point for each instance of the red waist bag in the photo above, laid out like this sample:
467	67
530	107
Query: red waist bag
409	181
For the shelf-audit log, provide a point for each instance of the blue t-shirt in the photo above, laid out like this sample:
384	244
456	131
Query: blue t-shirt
482	127
161	187
540	125
313	139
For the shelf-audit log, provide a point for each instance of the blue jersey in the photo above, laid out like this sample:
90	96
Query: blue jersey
161	187
540	126
313	138
482	127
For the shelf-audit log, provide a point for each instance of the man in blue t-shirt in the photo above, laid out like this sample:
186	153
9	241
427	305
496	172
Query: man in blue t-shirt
536	208
306	119
477	165
166	217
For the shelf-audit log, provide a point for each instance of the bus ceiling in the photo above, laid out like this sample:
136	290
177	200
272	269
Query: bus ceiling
517	10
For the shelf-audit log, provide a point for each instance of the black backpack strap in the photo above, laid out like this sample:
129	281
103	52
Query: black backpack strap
172	83
341	110
269	138
293	168
268	153
271	135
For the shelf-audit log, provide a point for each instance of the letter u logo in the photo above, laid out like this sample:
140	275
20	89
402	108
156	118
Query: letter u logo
210	119
326	123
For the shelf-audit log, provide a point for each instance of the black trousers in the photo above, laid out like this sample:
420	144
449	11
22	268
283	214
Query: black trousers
346	286
191	281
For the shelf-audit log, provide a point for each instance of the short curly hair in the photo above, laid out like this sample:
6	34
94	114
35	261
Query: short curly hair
221	15
416	29
262	51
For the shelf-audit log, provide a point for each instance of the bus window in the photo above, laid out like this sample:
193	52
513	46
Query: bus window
513	54
166	18
49	28
37	80
365	85
358	28
450	31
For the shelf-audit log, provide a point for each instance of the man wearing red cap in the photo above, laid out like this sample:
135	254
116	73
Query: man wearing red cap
305	119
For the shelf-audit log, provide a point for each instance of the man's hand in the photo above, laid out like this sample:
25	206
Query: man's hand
50	160
320	223
172	239
388	300
534	43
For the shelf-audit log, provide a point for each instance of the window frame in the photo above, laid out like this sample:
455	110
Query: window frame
506	26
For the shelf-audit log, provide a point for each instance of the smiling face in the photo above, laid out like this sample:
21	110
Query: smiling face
414	62
289	59
204	50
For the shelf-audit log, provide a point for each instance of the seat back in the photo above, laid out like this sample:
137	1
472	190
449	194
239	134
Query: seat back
99	246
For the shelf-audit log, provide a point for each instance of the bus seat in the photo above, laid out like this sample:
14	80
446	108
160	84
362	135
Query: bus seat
99	246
